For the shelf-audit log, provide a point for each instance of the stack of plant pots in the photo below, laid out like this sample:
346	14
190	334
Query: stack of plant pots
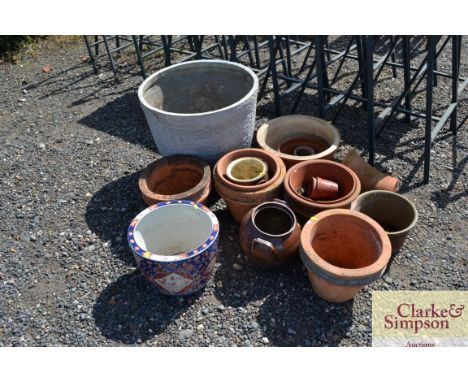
241	198
297	181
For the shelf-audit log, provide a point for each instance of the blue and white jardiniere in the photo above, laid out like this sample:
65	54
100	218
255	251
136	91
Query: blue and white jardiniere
175	245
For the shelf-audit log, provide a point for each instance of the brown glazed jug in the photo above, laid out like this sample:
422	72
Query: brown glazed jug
269	234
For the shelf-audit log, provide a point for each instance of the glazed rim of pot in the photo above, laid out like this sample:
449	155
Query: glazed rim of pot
279	205
273	161
375	268
261	164
203	246
262	138
395	195
146	172
146	84
336	203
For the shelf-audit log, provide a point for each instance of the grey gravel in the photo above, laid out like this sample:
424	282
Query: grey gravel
70	157
185	334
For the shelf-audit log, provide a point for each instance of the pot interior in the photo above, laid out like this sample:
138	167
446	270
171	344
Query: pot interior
346	241
222	165
247	169
286	133
393	212
173	229
304	146
174	178
198	87
300	178
273	220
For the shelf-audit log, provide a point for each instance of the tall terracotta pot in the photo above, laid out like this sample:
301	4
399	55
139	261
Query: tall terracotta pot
343	251
269	234
297	138
241	198
177	177
396	214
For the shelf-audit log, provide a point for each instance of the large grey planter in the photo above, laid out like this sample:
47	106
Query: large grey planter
204	108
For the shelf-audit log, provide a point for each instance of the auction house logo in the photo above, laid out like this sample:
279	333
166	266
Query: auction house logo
419	319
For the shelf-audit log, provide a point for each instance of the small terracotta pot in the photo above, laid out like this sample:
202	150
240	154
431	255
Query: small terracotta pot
396	214
294	137
343	251
320	189
241	198
247	171
370	177
177	177
297	177
269	234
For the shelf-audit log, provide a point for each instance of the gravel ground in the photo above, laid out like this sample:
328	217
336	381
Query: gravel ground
73	144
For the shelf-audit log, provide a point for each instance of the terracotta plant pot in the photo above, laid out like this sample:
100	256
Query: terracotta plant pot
175	177
269	234
297	138
175	245
396	214
241	198
298	176
247	171
370	177
343	251
320	189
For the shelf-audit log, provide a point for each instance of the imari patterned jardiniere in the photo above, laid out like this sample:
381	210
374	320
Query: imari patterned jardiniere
175	245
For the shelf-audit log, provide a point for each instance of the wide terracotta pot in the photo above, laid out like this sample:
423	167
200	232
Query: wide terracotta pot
175	245
269	234
343	251
297	181
175	177
239	198
298	138
370	177
396	214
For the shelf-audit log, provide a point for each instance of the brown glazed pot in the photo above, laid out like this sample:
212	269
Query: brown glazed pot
396	214
343	251
292	135
370	177
299	175
269	234
175	177
241	198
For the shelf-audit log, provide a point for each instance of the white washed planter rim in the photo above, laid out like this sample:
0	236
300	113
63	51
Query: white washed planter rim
144	84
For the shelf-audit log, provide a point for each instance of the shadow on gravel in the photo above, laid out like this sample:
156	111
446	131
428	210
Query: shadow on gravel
131	311
124	119
110	211
251	284
300	318
445	197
